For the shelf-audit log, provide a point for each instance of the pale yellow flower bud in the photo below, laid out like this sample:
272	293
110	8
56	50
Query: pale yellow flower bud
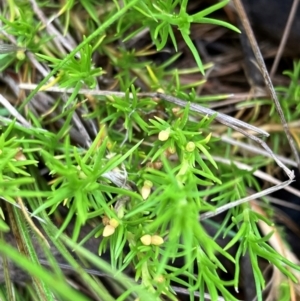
146	240
190	147
164	135
160	279
108	230
113	222
157	240
146	190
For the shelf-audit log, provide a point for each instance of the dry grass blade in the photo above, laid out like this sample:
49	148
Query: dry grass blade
277	243
14	112
30	222
252	149
244	200
284	37
9	48
245	22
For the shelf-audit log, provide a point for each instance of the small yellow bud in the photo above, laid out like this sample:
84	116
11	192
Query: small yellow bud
146	240
171	150
160	279
145	192
20	55
176	111
113	222
190	147
157	240
108	230
164	135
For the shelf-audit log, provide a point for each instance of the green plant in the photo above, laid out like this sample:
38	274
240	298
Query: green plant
140	170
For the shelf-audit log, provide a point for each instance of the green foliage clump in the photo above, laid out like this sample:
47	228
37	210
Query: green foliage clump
147	170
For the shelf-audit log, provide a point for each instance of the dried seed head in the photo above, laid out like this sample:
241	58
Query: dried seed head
146	240
176	111
20	156
155	165
170	151
105	220
157	240
108	231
